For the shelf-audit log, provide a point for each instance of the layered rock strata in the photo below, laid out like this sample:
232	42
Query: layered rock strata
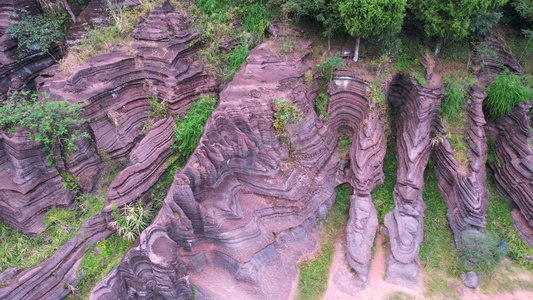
354	114
29	186
146	164
418	111
56	277
513	173
242	210
17	72
464	189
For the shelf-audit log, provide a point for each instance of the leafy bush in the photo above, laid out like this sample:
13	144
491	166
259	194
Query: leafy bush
321	104
326	68
346	141
505	92
284	113
52	123
35	33
131	221
158	112
479	251
189	129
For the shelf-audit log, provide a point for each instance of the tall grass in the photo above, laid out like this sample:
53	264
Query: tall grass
189	129
506	91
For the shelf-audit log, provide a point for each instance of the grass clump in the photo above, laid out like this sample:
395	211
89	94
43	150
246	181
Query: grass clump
321	105
505	92
98	261
346	141
314	272
131	220
52	123
325	68
189	129
454	115
158	112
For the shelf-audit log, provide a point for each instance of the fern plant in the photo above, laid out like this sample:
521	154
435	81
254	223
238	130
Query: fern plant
131	221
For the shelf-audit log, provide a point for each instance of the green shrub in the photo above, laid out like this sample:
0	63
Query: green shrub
479	251
284	113
131	221
52	123
321	104
505	92
189	130
35	33
325	68
346	141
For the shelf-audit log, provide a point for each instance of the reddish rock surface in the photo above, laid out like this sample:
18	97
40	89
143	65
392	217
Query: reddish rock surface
246	211
354	114
465	191
514	173
418	111
29	186
17	72
146	164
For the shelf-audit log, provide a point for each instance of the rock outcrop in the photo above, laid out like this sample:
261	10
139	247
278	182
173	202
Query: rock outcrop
30	187
418	111
17	72
464	190
55	277
241	211
146	164
354	114
513	173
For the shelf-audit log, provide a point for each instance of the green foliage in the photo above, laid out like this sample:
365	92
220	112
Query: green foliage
500	224
481	24
479	251
505	92
321	104
288	45
314	273
408	56
284	113
450	18
97	262
325	68
236	57
382	194
189	129
131	221
255	18
308	79
346	141
35	33
70	183
158	112
52	123
456	84
382	18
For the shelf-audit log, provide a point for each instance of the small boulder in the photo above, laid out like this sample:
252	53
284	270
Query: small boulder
470	279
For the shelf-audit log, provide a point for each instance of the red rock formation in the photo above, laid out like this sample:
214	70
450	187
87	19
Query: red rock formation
466	194
419	109
146	164
238	196
514	173
353	113
30	187
17	72
53	278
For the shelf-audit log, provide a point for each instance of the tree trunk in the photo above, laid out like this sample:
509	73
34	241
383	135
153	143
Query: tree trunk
329	43
356	52
67	7
437	48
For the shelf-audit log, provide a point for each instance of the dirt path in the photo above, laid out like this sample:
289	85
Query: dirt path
342	284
